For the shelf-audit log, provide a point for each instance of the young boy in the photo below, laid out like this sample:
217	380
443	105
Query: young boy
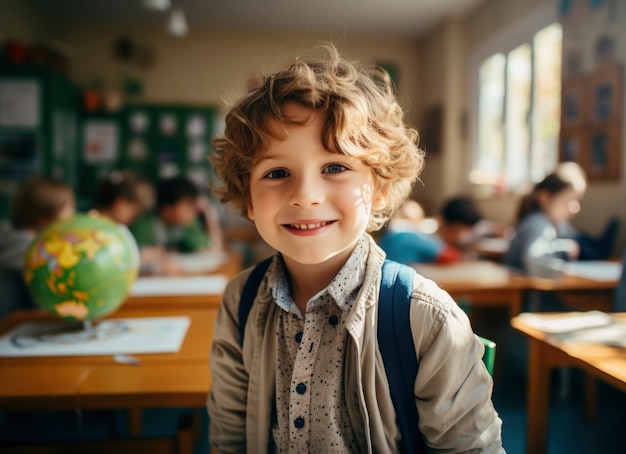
316	155
123	197
175	226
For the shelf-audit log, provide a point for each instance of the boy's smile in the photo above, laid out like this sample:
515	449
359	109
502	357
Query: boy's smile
309	203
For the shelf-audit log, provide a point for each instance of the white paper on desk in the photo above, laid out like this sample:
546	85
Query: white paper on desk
568	321
614	335
495	245
173	286
199	262
130	336
597	270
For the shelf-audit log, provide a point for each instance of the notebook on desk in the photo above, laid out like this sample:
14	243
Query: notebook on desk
596	270
198	262
179	286
580	327
110	337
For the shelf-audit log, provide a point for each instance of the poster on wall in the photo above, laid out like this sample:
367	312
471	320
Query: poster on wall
19	104
101	141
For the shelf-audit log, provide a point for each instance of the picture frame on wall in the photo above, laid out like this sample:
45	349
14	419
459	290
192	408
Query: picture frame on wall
602	152
573	106
572	145
605	95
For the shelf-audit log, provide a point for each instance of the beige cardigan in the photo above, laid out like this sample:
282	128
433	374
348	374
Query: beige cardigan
453	388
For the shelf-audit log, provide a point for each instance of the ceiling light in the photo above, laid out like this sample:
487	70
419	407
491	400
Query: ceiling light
157	5
177	23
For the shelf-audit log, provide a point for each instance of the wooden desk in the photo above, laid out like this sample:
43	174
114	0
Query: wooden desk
577	292
189	301
485	283
80	382
604	362
481	283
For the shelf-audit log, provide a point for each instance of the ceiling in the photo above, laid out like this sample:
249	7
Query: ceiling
377	17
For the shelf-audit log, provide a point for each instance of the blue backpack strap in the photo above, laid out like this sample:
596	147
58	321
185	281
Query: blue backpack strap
396	347
248	293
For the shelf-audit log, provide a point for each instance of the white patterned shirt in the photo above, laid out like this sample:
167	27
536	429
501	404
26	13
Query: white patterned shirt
311	413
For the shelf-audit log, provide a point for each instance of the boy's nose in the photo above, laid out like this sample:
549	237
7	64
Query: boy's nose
306	191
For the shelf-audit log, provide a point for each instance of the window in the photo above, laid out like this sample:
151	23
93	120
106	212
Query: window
518	111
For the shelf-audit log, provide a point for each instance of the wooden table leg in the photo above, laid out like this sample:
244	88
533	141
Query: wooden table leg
590	397
538	400
134	421
515	303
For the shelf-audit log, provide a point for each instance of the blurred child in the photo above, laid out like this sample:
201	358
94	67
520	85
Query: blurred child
316	155
402	240
591	247
38	202
123	197
459	223
176	225
553	201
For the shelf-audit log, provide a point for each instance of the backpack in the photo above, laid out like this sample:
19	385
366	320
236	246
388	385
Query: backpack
394	340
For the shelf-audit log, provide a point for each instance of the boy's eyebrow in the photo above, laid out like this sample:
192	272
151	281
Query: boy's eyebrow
267	156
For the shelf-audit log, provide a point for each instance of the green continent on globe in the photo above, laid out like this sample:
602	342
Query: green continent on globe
82	268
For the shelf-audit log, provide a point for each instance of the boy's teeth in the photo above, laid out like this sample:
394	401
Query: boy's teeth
317	225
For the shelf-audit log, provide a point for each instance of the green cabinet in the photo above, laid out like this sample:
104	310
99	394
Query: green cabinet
38	120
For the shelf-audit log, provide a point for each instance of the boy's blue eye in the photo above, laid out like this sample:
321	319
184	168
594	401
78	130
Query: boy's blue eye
335	168
277	173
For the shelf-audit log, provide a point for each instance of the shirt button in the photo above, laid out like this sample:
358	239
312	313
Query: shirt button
333	320
299	423
301	388
299	336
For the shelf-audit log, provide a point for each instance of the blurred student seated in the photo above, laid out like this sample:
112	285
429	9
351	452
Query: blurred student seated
184	221
543	231
123	197
404	240
37	203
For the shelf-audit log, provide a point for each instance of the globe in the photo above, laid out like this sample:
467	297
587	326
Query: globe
81	268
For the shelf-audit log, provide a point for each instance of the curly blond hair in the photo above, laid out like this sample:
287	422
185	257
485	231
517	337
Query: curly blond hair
363	120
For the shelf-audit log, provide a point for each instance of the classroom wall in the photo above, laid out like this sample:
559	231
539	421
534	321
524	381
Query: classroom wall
444	73
18	22
209	64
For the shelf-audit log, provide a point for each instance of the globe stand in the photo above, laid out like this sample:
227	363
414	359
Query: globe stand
73	333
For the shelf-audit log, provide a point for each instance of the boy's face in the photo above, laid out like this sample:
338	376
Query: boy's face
307	202
183	212
456	234
124	211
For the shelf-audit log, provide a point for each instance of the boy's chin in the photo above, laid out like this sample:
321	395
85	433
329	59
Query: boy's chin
314	258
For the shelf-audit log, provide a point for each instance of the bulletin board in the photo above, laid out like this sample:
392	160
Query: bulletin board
152	140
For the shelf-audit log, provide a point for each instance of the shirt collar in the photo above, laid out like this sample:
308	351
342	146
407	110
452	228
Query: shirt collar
342	288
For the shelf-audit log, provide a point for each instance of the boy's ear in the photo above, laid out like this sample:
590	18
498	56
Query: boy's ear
380	199
250	210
